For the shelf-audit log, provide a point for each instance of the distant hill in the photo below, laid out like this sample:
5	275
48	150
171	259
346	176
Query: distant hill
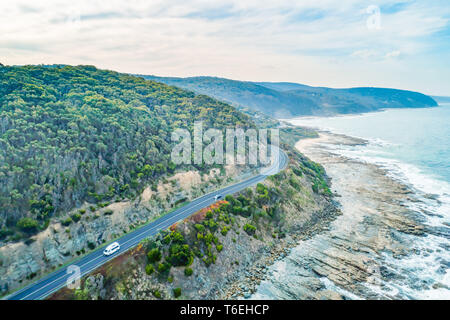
283	86
284	99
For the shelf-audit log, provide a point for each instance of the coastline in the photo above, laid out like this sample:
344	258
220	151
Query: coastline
247	283
362	254
349	253
442	104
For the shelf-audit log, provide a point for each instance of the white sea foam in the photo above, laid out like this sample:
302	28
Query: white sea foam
425	273
429	264
433	193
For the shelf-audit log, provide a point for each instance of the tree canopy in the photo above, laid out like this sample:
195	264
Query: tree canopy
74	134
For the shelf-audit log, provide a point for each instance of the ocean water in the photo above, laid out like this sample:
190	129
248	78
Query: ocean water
414	146
419	137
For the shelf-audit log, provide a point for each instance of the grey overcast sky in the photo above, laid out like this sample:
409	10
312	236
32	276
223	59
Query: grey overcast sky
400	44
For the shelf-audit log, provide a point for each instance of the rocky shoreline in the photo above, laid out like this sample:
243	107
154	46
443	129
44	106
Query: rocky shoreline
247	284
355	256
346	247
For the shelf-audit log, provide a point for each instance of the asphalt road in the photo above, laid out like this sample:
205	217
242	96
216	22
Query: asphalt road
58	279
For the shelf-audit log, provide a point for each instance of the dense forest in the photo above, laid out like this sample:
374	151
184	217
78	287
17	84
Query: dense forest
75	134
286	100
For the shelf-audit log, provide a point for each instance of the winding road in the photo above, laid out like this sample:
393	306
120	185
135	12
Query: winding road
56	280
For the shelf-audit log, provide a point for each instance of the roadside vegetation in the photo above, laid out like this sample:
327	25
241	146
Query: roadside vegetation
180	254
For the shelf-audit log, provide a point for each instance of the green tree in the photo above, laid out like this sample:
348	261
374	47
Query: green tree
177	292
28	224
188	272
154	255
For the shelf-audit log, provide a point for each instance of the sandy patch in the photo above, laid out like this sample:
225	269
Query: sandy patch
147	194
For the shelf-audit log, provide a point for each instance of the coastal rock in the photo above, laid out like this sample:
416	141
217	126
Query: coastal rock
94	285
357	256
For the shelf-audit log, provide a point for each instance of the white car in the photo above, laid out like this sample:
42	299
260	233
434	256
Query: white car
113	247
217	197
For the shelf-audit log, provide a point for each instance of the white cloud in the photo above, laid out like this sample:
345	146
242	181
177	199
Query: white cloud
320	42
393	54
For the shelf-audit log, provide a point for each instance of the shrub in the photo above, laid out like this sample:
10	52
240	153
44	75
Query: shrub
180	255
81	294
166	239
108	212
82	211
154	255
67	222
177	292
315	187
197	252
177	237
91	245
219	247
209	238
29	241
149	269
260	188
199	227
249	229
5	232
225	230
163	267
27	224
188	272
76	217
298	172
294	183
103	204
157	294
211	224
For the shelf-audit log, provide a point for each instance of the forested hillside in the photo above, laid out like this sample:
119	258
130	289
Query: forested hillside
243	94
285	99
74	134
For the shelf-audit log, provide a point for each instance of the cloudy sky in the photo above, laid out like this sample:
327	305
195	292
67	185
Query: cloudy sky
401	44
